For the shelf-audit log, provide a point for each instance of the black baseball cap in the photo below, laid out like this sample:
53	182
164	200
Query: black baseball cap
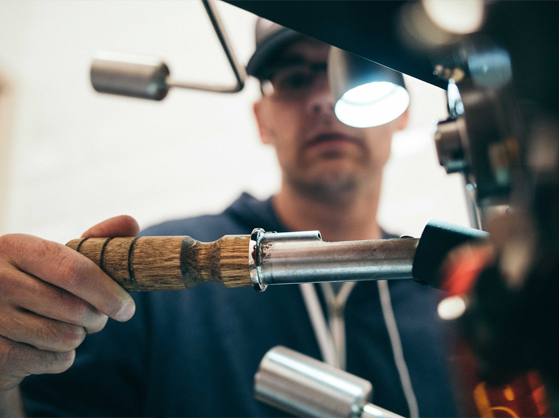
270	39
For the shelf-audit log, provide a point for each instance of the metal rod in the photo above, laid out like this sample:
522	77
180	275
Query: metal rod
200	86
238	70
473	210
303	386
149	78
373	411
304	258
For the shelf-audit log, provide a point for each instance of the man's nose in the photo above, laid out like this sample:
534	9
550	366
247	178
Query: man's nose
320	100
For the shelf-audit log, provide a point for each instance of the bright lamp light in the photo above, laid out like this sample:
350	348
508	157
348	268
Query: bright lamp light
366	94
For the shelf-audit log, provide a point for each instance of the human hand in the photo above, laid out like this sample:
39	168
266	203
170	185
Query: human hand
51	297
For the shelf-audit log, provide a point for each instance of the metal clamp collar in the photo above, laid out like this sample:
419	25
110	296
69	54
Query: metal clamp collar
254	262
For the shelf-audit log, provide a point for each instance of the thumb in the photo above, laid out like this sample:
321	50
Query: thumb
119	226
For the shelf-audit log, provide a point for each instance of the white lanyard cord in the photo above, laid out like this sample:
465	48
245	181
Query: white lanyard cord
331	340
397	350
321	330
336	305
330	336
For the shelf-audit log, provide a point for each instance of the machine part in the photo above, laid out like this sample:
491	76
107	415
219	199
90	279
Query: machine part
449	145
473	211
437	240
238	70
130	75
365	94
149	78
261	259
253	263
482	137
455	105
484	141
490	68
448	141
373	411
270	258
302	257
481	140
303	386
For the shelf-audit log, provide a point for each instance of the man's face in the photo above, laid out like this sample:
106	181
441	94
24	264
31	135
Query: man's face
317	153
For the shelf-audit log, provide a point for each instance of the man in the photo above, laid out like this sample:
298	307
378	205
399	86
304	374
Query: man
195	352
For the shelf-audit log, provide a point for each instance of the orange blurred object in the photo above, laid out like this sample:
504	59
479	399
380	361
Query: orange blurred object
525	395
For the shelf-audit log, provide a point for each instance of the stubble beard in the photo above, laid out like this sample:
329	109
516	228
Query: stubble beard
332	188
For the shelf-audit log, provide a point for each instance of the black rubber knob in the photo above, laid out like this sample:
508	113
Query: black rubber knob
437	240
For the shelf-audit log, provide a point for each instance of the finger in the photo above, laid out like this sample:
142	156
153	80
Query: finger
65	268
40	332
26	292
17	359
119	226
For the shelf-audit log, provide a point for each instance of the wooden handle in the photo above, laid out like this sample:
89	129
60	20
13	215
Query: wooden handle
169	263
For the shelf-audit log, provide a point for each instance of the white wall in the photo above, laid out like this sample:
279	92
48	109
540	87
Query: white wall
77	157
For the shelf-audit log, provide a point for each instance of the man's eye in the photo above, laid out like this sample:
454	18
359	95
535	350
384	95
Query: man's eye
295	80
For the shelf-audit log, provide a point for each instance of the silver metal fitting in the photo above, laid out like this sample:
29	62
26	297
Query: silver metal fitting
254	259
303	386
302	257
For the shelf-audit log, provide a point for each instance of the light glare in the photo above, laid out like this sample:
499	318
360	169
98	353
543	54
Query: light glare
369	92
451	308
372	104
456	16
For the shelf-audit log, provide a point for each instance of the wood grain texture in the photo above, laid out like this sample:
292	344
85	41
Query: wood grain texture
169	263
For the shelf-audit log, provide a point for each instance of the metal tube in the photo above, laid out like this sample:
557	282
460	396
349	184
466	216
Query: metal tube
130	75
303	386
473	210
149	78
287	258
373	411
238	70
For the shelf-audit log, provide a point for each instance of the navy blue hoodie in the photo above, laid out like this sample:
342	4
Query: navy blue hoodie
195	352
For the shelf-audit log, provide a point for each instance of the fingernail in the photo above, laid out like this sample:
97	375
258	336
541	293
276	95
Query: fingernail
126	312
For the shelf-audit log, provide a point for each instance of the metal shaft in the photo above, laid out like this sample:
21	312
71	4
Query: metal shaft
373	411
303	386
288	258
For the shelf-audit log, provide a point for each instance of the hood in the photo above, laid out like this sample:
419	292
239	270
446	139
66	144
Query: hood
253	213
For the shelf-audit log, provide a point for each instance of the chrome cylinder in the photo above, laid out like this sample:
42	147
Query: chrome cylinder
302	257
130	75
373	411
303	386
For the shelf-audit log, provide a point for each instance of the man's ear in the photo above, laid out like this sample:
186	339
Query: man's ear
402	120
263	128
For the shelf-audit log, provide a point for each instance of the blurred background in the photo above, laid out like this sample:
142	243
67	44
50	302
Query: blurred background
70	157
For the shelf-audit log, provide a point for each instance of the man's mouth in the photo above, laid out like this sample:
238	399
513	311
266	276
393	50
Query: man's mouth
333	138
